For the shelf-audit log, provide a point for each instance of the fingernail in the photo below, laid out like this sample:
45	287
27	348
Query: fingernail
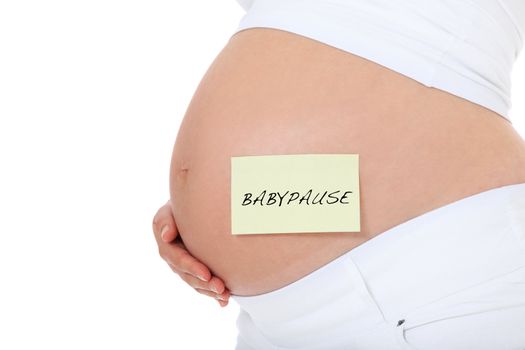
213	288
165	229
201	278
218	297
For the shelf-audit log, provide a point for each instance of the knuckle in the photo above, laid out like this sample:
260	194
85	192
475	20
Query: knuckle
182	260
155	224
193	281
178	259
193	284
175	270
199	290
181	275
198	283
204	292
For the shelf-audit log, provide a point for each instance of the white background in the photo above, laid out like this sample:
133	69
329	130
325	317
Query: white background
91	97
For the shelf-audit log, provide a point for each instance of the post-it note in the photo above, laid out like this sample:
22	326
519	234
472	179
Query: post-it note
295	193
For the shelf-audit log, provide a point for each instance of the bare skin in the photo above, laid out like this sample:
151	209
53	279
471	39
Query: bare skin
274	92
189	269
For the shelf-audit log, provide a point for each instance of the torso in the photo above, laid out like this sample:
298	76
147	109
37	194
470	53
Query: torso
274	92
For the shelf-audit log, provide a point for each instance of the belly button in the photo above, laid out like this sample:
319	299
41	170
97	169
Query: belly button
184	167
183	173
179	180
179	173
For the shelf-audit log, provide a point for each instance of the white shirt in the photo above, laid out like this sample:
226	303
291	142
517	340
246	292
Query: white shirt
464	47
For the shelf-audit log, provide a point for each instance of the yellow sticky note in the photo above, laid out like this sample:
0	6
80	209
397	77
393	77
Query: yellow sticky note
295	193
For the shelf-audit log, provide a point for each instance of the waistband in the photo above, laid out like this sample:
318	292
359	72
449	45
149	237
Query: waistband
442	251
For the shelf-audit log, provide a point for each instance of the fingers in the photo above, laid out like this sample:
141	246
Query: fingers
223	300
173	251
177	256
165	231
215	288
164	226
222	303
195	273
215	284
218	296
168	232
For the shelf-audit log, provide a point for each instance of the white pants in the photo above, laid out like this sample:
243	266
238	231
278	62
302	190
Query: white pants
452	278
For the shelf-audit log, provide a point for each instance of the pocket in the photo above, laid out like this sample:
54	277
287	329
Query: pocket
489	315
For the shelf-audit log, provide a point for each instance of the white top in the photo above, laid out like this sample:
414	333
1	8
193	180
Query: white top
464	47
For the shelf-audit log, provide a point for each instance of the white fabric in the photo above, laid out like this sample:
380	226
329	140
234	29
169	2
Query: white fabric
466	48
455	275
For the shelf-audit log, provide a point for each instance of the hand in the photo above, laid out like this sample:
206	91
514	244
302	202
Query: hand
173	251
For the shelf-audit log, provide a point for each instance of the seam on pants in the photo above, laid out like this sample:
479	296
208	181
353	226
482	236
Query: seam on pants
244	321
466	289
423	314
369	294
517	222
422	323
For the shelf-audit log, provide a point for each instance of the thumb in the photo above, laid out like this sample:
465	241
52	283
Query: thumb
168	231
164	225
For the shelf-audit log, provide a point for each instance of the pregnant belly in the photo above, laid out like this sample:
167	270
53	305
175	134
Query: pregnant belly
274	92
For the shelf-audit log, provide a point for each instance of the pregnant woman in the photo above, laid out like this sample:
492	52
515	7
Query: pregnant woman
421	91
